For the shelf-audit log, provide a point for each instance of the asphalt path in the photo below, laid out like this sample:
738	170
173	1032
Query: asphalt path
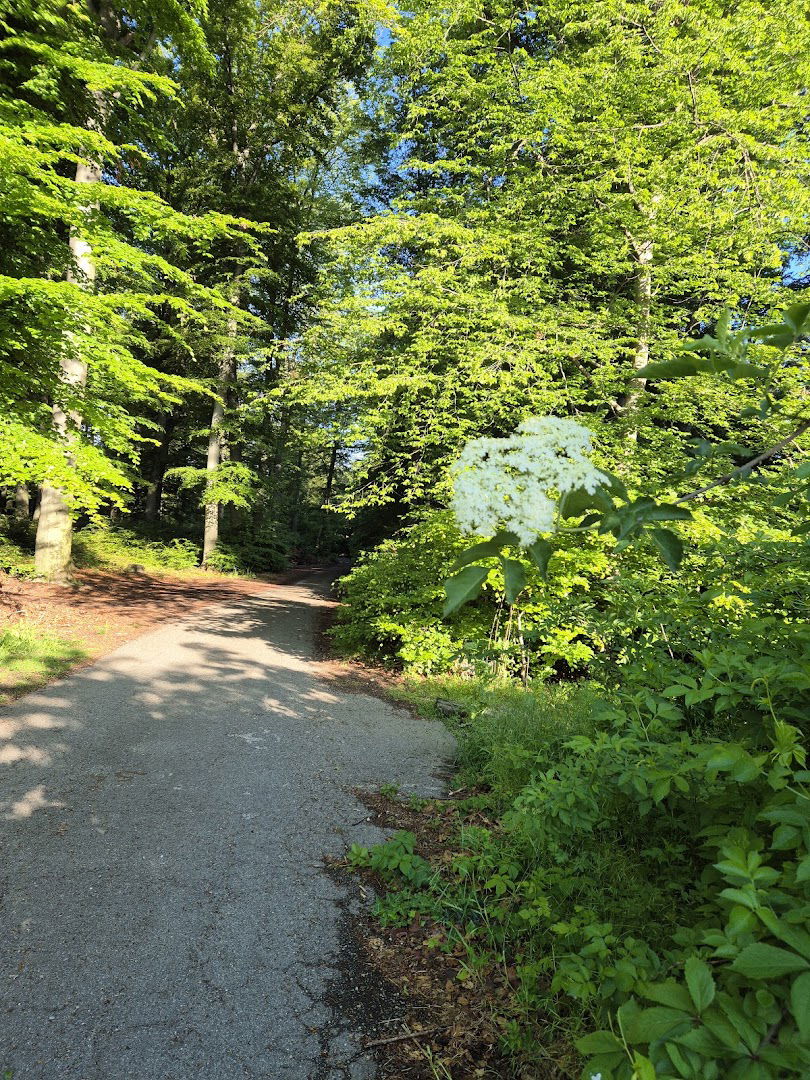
165	912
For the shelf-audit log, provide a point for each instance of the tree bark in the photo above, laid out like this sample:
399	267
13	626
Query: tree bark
642	294
54	540
22	503
154	491
217	446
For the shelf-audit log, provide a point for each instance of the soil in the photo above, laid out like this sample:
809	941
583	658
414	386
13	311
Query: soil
101	610
452	1024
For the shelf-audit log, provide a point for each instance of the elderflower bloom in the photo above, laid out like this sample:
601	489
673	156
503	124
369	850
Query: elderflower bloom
514	483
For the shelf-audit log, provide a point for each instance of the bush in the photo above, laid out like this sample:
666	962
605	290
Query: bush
105	546
254	555
644	867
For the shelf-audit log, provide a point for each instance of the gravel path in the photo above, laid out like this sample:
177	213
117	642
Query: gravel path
164	815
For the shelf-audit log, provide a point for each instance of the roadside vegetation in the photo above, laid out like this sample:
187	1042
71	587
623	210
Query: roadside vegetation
633	807
511	305
31	657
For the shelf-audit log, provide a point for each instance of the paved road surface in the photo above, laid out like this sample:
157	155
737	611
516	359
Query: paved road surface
164	910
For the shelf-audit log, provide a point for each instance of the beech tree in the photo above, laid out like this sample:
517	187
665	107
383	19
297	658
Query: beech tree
569	190
80	277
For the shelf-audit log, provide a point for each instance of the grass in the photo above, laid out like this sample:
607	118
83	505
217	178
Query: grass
504	726
30	658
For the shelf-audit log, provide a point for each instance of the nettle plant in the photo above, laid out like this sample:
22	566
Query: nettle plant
736	1004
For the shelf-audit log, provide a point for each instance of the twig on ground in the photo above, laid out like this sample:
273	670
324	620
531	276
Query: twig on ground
401	1038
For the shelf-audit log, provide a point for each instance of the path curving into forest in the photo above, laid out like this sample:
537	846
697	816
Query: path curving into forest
164	817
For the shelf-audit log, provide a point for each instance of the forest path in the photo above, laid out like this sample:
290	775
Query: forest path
165	813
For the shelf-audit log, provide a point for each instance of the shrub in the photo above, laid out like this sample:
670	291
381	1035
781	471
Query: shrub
108	546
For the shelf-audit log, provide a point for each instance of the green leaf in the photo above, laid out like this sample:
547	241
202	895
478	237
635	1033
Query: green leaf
702	1041
514	578
670	547
668	512
796	318
700	982
678	368
668	993
487	549
540	552
615	485
463	587
575	503
800	1003
656	1023
599	1042
643	1068
761	961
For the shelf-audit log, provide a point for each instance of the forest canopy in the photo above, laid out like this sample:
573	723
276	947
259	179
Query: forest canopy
266	270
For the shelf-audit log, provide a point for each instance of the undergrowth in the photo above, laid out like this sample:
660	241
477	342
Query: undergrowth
30	657
637	861
109	547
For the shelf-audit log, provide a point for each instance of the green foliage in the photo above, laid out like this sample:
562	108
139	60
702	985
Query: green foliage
640	862
30	656
395	858
686	798
77	91
252	555
118	548
569	187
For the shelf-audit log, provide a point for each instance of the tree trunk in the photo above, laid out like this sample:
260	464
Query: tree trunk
154	491
55	526
22	503
642	295
217	448
211	529
327	493
330	475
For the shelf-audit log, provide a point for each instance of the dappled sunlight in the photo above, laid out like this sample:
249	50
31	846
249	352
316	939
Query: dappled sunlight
11	752
217	673
33	800
165	817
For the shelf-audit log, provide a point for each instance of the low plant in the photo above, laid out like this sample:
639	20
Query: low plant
30	656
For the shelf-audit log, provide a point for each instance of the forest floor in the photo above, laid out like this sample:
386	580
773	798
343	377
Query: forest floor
64	627
184	792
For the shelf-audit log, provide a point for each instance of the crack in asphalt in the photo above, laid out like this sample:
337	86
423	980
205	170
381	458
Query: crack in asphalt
167	913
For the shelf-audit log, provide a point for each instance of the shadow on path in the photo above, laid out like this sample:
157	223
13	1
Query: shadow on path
164	818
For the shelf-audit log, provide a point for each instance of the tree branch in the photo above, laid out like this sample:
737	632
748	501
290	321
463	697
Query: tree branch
721	480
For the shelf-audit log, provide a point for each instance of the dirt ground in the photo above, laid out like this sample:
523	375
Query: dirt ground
102	609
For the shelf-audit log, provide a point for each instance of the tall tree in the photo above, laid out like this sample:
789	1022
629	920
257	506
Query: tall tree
79	277
255	139
570	188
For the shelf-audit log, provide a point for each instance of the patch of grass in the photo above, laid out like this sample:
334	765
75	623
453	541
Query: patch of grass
30	658
503	726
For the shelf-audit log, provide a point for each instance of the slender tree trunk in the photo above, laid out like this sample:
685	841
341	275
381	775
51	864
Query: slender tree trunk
330	474
22	503
296	491
217	447
55	526
154	491
327	492
642	295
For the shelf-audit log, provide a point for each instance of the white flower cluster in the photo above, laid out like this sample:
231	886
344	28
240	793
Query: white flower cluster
515	483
